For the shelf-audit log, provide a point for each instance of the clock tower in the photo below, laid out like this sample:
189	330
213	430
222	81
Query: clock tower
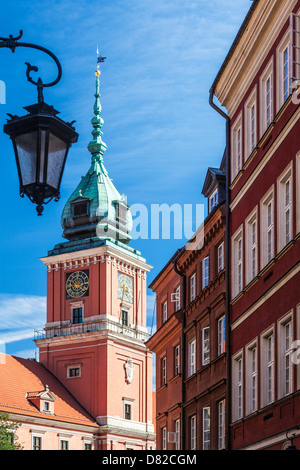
95	333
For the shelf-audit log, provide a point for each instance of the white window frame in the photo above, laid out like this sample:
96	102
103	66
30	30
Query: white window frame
285	207
192	287
221	257
251	124
237	146
205	272
177	434
177	301
129	403
251	246
213	199
205	345
177	359
298	192
73	366
266	107
40	436
237	384
74	306
267	228
192	357
285	351
163	370
221	335
283	70
206	428
64	439
237	262
268	367
251	377
164	438
221	424
193	429
164	311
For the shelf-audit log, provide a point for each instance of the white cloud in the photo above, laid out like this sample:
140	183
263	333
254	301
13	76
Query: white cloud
20	315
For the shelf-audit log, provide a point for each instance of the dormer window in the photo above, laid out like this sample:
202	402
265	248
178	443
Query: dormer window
80	209
44	400
213	200
80	206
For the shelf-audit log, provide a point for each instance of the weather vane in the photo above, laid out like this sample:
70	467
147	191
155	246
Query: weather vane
99	57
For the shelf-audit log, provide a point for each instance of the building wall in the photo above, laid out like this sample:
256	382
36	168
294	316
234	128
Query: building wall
264	288
206	385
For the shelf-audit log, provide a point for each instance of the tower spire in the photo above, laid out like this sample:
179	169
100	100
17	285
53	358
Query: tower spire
96	146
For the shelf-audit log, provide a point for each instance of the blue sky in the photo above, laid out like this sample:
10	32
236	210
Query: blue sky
161	133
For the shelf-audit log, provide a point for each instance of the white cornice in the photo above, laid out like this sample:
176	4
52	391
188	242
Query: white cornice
263	29
83	258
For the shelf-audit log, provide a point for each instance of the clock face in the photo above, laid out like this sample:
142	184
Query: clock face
77	284
125	288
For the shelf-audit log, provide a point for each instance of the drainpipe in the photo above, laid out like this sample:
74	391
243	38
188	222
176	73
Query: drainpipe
183	362
227	279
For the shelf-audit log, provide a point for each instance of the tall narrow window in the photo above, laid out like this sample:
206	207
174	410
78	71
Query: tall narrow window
267	228
192	357
205	272
164	371
286	73
206	428
237	146
77	315
164	311
266	98
285	356
124	318
177	434
221	257
250	124
221	424
127	410
237	262
164	438
177	301
268	368
193	287
285	208
193	431
177	360
221	335
288	357
238	387
205	346
251	246
288	211
269	100
252	378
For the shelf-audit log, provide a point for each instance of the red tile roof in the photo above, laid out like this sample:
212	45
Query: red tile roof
19	377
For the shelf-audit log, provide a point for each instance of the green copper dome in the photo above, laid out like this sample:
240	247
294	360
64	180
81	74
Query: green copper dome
96	208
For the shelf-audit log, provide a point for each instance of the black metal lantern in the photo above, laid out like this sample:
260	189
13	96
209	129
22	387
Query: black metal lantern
41	140
41	143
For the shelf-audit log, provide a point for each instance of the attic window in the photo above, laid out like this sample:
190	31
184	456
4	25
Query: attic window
213	200
80	209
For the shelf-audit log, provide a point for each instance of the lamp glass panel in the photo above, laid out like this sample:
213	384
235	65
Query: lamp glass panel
56	157
26	145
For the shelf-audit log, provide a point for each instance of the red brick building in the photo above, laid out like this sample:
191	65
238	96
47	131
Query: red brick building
256	86
190	339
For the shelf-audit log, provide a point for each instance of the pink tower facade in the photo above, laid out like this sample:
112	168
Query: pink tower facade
95	334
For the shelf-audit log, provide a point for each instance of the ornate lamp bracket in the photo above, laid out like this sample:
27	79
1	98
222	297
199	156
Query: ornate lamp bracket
13	42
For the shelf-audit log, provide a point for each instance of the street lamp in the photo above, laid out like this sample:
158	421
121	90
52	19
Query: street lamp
40	139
